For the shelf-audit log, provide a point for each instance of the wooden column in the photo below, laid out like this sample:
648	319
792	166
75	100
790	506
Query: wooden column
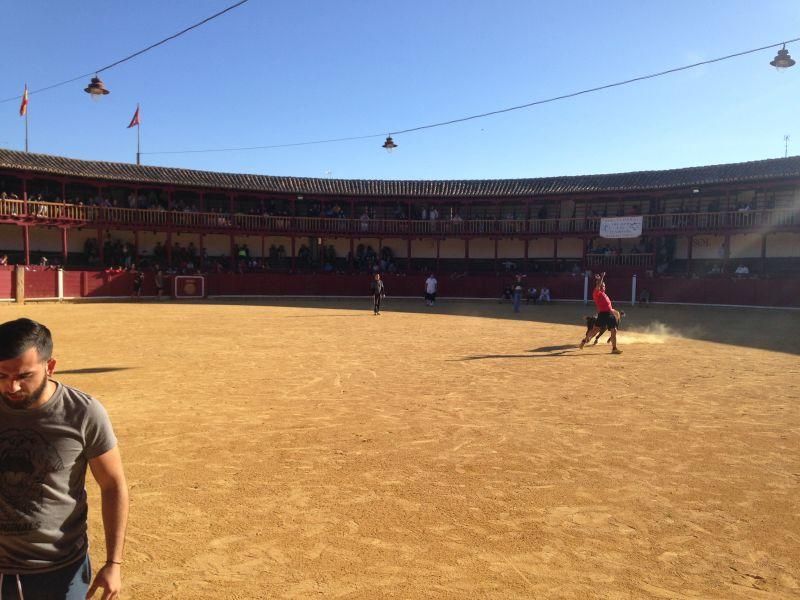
351	258
764	254
26	244
438	250
169	249
136	245
293	256
101	247
585	245
495	254
727	255
689	255
25	195
64	246
408	256
525	259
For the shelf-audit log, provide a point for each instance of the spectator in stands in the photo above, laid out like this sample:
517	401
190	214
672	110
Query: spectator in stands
742	270
532	295
544	295
364	226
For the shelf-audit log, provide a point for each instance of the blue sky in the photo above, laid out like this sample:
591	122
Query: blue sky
280	73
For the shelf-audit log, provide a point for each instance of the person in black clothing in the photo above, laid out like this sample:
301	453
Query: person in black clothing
138	282
378	292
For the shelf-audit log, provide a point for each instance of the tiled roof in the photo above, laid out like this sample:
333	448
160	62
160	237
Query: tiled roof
641	181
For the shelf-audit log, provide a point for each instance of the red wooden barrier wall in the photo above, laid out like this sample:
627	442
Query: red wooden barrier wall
94	284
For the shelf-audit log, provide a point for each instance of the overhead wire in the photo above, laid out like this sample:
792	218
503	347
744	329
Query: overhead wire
486	114
130	56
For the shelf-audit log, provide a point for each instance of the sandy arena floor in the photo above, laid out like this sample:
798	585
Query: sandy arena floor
312	450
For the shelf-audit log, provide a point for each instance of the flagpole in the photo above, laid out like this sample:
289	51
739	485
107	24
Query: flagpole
26	130
138	140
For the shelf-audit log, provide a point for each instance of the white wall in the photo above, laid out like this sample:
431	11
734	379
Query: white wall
707	247
423	248
511	249
481	248
451	248
11	238
541	248
783	245
45	239
746	246
570	248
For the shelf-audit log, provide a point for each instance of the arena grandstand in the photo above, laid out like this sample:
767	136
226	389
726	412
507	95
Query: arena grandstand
720	234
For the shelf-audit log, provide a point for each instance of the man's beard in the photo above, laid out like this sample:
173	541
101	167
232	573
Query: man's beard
28	401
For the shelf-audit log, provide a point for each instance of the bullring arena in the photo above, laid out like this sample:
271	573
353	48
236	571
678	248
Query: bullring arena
304	449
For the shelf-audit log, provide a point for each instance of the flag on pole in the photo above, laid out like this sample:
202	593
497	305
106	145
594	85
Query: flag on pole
135	119
23	108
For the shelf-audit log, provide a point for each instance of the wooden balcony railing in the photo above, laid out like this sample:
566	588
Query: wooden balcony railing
620	260
66	214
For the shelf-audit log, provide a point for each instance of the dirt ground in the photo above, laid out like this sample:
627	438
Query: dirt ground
312	450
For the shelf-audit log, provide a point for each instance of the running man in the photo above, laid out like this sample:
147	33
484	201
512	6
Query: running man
378	292
431	285
605	314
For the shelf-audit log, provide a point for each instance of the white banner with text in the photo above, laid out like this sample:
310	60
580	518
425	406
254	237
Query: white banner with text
621	227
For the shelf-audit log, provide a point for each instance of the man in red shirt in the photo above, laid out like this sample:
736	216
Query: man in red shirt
605	314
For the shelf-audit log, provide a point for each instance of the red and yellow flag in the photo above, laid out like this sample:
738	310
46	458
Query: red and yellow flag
135	119
23	108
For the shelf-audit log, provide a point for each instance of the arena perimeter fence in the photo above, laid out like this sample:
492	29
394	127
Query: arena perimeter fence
36	283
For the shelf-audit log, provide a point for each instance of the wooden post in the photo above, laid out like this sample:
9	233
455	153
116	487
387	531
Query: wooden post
727	255
352	257
689	255
64	246
293	256
438	249
525	259
26	244
169	249
495	254
20	283
408	256
764	254
101	247
555	253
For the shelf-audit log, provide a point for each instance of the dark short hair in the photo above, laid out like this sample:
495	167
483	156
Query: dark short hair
16	337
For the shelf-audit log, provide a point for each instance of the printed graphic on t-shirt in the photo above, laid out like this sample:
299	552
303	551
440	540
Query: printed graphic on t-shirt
26	458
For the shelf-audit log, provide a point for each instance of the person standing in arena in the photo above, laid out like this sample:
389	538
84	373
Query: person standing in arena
605	314
378	293
431	285
138	281
49	434
517	292
159	280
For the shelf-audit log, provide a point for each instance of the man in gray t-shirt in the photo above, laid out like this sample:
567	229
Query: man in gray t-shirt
49	433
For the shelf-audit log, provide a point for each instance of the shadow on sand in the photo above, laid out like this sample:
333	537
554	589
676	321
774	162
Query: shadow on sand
777	330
